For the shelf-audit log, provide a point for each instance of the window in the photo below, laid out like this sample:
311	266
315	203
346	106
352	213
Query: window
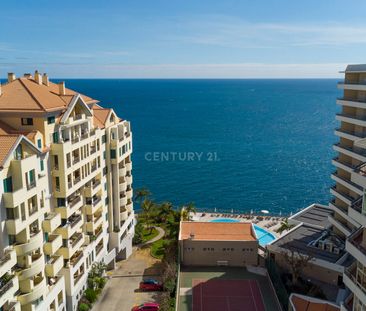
104	155
39	143
51	120
106	201
104	138
61	202
55	137
8	184
42	165
57	181
113	153
27	121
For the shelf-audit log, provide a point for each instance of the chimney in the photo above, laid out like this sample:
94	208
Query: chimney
37	77
27	75
61	88
11	77
45	79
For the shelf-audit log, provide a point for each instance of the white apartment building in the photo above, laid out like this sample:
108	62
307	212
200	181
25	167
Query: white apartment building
66	192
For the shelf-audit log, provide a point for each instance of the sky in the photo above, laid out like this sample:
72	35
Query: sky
182	38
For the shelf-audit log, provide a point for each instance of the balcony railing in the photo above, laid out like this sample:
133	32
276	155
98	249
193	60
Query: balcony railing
352	116
357	205
347	180
93	168
356	239
360	151
76	160
347	196
31	185
354	133
74	201
77	239
5	259
336	159
96	183
76	279
75	140
93	149
74	221
5	287
76	180
76	258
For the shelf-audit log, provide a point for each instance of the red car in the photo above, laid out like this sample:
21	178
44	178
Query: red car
151	285
147	306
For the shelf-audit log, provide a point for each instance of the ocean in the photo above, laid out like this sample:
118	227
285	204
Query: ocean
236	145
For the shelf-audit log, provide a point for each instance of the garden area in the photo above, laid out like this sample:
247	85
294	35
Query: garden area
167	217
96	282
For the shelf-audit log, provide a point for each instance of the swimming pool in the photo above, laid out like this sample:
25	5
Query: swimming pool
264	237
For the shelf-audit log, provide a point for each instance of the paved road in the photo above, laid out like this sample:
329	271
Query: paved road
121	291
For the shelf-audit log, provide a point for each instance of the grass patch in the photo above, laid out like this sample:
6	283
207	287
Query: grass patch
148	234
158	249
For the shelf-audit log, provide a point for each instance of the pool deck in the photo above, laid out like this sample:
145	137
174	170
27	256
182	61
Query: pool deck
269	223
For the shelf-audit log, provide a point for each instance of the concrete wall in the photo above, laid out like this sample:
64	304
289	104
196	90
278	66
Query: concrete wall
208	253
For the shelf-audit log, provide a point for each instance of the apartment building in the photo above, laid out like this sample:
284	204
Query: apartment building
66	192
349	205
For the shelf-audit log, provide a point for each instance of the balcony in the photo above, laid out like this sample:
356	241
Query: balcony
7	261
351	102
341	195
75	160
74	201
72	206
122	185
359	175
36	290
35	241
53	244
73	245
347	183
350	280
343	227
51	222
94	223
359	154
75	259
92	207
122	171
92	188
128	166
129	206
35	266
351	135
15	198
129	193
11	305
94	168
343	165
54	266
129	179
77	180
31	185
93	149
8	290
123	214
350	85
78	277
99	248
73	224
353	119
356	245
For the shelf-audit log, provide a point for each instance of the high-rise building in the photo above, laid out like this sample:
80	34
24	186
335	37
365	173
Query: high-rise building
349	202
66	192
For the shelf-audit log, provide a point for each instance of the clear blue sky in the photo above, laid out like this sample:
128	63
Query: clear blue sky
182	38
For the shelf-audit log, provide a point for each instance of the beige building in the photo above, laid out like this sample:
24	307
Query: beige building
66	192
215	244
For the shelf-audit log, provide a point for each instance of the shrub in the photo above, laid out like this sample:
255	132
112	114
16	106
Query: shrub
91	295
83	307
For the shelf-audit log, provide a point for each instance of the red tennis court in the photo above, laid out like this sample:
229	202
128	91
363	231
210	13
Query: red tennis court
226	295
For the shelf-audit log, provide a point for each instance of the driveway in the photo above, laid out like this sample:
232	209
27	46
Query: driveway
121	291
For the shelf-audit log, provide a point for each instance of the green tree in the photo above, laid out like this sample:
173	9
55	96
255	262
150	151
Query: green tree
187	210
141	195
285	226
165	209
148	206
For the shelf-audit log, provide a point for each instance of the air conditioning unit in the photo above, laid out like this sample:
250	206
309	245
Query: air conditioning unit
41	175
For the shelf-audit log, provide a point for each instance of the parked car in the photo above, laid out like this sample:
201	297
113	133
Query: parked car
147	306
151	285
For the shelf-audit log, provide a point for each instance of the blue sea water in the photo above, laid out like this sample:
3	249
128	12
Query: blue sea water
264	144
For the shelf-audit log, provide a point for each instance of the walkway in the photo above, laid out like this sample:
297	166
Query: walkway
158	237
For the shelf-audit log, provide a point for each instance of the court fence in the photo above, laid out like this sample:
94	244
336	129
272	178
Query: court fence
279	287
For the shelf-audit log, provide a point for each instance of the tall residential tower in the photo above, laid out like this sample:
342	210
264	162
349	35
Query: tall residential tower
66	192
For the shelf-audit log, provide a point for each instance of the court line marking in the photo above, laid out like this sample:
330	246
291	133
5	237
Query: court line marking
227	304
260	291
255	304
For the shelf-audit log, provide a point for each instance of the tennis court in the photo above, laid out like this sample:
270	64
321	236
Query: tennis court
227	295
224	289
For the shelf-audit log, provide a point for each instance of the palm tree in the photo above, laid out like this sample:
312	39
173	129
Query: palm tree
141	194
147	207
187	210
285	226
165	209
